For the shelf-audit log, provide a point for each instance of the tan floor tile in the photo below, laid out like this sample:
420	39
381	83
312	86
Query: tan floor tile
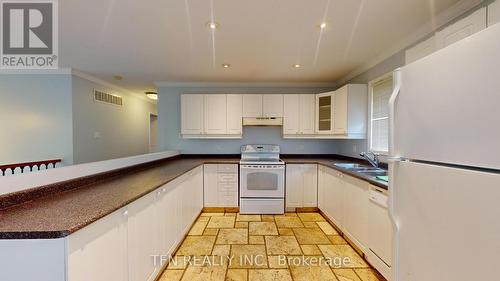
221	250
203	218
247	217
285	231
198	228
282	245
310	250
327	228
211	231
221	222
308	236
308	273
368	274
248	256
257	240
337	240
310	224
269	275
171	275
311	217
230	214
178	262
232	236
277	261
291	214
342	252
268	218
346	274
212	214
241	224
196	246
288	222
237	275
262	228
205	273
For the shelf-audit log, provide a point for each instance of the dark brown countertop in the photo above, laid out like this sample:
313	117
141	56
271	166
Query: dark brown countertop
59	214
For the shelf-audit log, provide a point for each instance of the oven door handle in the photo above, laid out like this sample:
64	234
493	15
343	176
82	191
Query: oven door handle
262	167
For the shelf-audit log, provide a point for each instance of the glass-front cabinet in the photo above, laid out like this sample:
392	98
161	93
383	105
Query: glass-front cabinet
325	113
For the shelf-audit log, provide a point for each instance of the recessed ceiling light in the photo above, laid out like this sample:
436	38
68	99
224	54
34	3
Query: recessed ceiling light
226	65
296	65
152	95
322	25
212	25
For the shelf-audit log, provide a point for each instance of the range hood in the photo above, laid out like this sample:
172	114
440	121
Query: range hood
262	121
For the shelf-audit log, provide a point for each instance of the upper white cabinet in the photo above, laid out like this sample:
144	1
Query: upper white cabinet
192	114
234	114
343	113
252	105
421	50
215	114
324	113
301	185
298	115
494	13
272	105
461	29
211	116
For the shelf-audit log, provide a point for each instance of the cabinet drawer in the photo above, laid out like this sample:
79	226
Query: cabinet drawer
228	187
228	199
228	168
232	178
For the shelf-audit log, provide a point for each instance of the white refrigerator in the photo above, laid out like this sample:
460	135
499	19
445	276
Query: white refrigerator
444	163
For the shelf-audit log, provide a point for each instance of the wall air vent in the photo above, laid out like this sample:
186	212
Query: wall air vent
107	98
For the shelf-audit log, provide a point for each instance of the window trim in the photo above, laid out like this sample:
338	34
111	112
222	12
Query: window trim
371	85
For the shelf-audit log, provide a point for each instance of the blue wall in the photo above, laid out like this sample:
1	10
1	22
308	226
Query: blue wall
169	125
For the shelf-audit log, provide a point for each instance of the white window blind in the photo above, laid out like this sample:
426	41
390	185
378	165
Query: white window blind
379	139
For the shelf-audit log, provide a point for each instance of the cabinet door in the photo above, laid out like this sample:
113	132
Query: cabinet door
252	105
99	250
462	29
294	186
192	114
356	198
168	219
272	105
379	221
291	106
306	114
421	50
324	113
334	197
340	111
215	114
310	185
494	13
210	192
321	188
143	222
234	114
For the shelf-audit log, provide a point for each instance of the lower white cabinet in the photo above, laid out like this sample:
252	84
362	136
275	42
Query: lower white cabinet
220	185
301	185
494	13
355	220
332	195
122	245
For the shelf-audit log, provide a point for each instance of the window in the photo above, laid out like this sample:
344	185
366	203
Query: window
381	90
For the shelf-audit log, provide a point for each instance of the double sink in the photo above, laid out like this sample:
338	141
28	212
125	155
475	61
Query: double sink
367	171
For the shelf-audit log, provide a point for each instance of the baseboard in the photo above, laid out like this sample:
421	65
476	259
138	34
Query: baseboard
221	210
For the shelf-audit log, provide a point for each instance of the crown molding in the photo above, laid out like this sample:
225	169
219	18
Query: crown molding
455	11
173	84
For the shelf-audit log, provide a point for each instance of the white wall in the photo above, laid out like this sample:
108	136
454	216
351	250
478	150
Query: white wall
35	113
124	131
169	125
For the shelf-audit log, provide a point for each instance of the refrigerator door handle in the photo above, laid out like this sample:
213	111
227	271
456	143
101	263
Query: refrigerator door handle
397	81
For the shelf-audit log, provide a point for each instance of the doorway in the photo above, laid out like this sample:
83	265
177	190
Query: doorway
153	132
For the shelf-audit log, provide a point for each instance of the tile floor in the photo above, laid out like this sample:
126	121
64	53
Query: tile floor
294	246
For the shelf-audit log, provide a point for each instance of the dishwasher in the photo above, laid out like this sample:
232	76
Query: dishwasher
381	232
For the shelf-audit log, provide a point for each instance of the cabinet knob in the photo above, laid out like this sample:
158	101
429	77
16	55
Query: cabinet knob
125	214
164	189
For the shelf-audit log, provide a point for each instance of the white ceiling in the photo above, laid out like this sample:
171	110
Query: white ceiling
168	40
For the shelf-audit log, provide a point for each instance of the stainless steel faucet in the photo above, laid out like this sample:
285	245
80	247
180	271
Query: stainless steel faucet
371	157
